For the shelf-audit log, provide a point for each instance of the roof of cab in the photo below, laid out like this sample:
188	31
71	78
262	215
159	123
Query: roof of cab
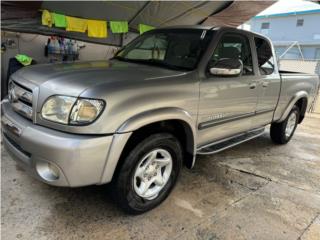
187	27
213	28
201	27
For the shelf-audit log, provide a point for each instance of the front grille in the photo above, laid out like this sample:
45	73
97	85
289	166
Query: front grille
20	98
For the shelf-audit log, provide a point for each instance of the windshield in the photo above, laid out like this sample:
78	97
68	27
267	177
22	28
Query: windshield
177	49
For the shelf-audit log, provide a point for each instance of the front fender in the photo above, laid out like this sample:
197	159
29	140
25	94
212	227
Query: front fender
164	114
156	115
125	130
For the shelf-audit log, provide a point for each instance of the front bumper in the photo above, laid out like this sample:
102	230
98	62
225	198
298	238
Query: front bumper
76	160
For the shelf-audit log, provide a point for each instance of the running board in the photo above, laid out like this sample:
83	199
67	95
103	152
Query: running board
226	143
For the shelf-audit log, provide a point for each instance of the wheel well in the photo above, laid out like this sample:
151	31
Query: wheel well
180	129
302	105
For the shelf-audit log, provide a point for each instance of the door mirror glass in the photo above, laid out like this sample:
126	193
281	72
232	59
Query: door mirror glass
228	67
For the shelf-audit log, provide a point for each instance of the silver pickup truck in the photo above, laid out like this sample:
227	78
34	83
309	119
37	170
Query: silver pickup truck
135	120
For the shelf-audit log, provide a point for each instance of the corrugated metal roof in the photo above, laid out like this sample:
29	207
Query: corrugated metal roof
25	16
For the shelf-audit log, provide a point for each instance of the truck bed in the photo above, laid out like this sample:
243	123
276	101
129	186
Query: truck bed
293	83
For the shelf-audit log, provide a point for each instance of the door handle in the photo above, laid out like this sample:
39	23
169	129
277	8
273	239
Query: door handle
265	84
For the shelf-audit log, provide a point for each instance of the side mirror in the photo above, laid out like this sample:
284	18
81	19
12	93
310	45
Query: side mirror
227	67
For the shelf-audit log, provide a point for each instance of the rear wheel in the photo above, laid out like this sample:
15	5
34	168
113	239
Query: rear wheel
282	132
148	174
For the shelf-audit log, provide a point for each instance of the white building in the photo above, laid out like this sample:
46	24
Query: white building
295	34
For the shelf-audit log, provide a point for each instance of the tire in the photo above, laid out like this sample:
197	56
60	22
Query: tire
126	184
278	130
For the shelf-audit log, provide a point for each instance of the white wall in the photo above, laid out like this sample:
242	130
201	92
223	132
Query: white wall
285	29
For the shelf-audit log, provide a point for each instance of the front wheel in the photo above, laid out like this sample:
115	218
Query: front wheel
148	174
282	132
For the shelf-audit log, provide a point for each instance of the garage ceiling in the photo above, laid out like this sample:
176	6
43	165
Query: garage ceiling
26	17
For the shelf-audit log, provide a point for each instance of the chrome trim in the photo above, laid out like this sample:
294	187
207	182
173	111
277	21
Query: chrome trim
216	122
21	99
22	93
22	109
225	71
265	111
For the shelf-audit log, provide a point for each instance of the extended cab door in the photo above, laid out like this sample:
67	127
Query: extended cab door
269	82
227	104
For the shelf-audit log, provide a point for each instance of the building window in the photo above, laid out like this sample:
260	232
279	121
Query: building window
300	22
265	25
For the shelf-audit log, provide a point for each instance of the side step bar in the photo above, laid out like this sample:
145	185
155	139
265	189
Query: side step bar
226	143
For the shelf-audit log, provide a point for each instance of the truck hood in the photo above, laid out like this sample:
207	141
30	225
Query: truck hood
74	78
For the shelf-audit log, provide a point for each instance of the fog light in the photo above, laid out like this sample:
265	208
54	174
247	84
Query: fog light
47	171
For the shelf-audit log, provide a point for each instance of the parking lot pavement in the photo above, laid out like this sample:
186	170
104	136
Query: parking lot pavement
256	190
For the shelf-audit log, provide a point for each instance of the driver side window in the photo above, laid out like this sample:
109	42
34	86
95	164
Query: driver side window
237	47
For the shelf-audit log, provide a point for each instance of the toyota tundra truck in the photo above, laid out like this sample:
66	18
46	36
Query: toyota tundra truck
135	120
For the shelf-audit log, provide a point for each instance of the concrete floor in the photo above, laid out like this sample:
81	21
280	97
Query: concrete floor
256	190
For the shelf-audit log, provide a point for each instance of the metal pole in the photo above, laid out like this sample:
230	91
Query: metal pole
291	46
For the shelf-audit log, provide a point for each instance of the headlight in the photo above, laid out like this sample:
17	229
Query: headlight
57	108
71	110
